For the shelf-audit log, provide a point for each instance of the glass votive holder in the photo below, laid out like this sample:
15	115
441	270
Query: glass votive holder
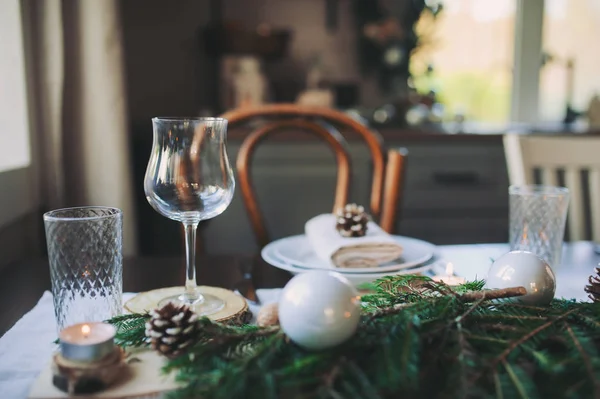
86	263
537	220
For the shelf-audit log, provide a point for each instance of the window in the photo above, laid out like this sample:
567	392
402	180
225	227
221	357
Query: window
16	174
570	31
14	123
470	47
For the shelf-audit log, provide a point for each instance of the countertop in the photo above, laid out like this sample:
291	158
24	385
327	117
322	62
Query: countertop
470	131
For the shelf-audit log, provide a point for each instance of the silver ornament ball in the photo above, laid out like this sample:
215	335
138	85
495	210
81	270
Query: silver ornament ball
523	269
319	309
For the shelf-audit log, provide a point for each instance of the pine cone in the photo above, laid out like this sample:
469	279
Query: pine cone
172	329
268	315
594	287
352	221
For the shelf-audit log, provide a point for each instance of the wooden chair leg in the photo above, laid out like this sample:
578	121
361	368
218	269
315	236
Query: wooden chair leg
392	188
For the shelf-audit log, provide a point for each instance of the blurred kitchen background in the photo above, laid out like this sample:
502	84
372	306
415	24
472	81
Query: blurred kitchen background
442	78
435	77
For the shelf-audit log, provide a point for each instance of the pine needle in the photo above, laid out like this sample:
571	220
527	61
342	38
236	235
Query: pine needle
586	360
416	338
498	386
519	385
130	329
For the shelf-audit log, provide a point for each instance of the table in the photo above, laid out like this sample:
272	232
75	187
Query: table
579	261
22	284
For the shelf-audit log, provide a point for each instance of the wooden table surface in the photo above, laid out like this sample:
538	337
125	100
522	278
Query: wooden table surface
22	284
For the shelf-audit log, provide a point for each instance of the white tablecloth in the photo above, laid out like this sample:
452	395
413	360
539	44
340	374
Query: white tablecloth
474	261
28	346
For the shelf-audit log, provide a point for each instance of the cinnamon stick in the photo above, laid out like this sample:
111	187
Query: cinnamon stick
467	297
493	294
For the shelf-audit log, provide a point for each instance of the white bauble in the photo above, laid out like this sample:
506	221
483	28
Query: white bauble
523	269
319	309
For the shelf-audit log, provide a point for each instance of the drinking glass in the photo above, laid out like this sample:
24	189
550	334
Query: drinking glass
86	263
537	220
189	179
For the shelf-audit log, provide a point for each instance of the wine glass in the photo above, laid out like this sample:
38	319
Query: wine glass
189	179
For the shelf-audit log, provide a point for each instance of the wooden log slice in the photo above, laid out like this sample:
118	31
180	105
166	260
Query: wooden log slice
235	310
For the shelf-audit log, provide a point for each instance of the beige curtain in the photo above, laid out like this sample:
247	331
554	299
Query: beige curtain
78	86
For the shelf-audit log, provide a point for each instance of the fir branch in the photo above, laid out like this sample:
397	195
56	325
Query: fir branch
413	331
526	337
463	350
517	305
366	386
489	339
498	386
466	297
130	329
586	360
519	385
588	321
476	285
508	317
473	307
499	326
514	344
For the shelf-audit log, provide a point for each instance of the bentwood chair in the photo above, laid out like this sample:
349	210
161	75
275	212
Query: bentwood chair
568	161
387	175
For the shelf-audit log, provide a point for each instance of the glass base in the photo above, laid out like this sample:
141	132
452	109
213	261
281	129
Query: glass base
205	305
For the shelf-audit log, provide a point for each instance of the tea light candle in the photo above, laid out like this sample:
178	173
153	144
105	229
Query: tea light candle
449	278
87	342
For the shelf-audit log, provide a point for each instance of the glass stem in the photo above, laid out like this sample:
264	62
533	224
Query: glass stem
191	294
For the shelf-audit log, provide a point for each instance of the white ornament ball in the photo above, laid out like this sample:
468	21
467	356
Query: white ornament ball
523	269
319	309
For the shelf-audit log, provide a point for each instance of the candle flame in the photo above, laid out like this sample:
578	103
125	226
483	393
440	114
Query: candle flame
450	269
85	330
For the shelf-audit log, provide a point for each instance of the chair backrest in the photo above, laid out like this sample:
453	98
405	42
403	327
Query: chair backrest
323	123
575	158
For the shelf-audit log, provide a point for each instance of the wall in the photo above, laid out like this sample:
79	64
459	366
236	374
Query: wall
307	20
167	75
167	72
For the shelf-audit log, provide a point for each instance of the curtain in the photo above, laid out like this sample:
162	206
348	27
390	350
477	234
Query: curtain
78	90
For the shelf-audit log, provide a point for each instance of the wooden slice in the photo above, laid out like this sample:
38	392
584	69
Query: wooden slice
142	378
88	378
235	308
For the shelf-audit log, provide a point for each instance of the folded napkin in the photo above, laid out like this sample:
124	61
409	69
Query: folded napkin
371	250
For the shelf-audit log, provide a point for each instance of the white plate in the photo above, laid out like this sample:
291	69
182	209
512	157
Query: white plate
270	257
297	251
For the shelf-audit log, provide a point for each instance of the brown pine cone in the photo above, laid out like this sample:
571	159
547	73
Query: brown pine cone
352	221
593	289
268	315
172	329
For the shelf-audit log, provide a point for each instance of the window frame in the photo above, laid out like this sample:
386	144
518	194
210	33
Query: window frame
529	26
19	187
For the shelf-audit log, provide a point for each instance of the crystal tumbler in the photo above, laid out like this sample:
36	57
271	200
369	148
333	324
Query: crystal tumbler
86	263
537	220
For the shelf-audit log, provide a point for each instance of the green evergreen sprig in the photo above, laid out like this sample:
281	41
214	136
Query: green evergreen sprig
416	339
131	329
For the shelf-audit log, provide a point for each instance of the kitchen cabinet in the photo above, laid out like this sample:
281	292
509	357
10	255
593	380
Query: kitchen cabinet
455	191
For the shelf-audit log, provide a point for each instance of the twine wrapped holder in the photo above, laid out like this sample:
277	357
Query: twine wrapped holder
76	377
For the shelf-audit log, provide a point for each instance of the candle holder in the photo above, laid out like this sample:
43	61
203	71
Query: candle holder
88	360
79	377
449	279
